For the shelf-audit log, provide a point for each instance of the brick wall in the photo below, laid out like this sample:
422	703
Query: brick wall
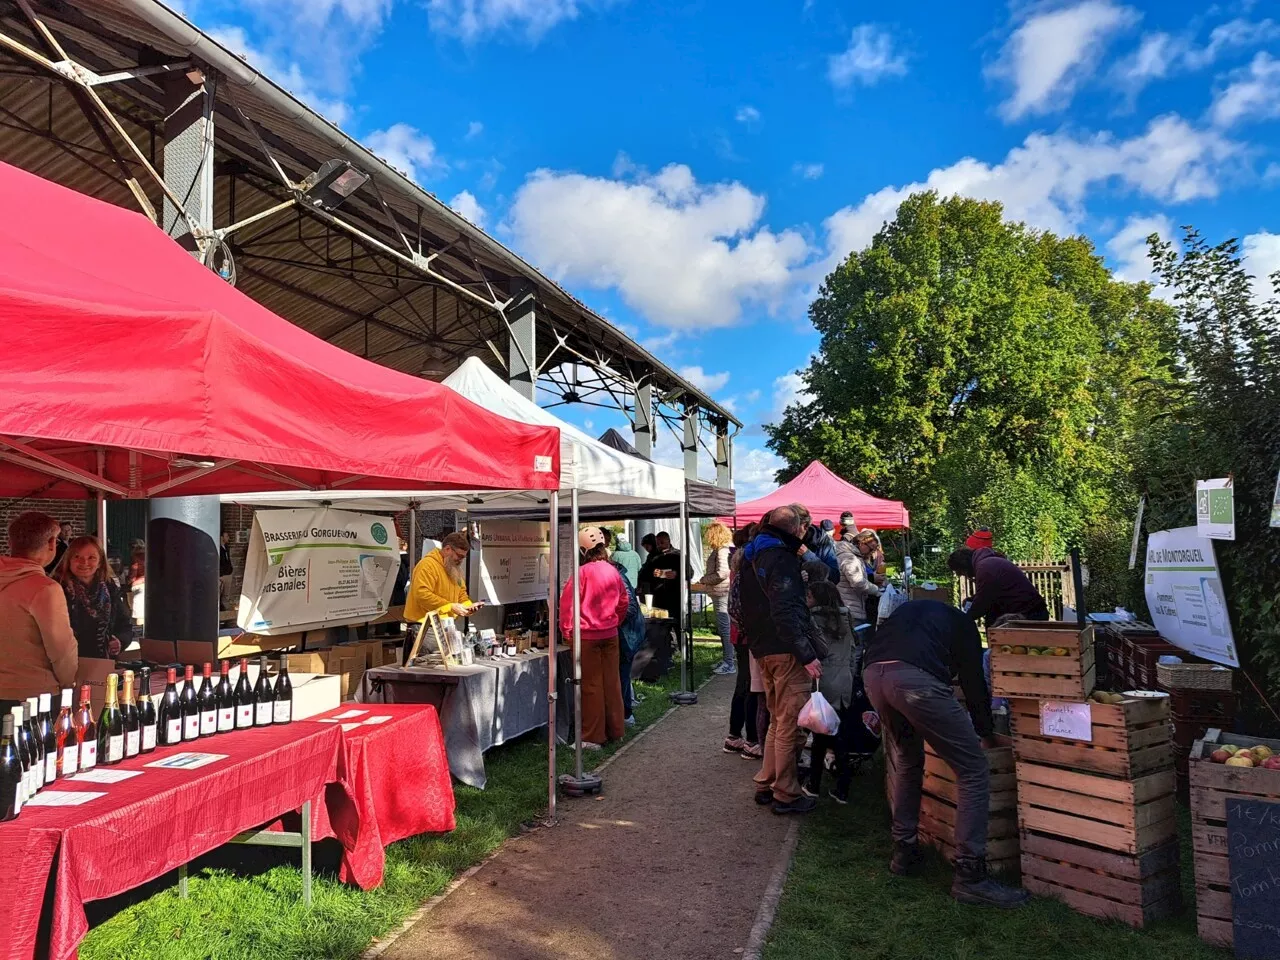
70	510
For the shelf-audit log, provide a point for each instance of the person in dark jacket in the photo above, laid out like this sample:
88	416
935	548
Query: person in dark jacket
660	575
833	622
1002	588
773	604
818	544
908	671
99	617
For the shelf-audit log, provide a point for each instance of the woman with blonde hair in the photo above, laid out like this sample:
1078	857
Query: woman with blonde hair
715	584
99	617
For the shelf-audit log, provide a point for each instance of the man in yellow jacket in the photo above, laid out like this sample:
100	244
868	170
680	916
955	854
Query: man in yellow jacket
439	582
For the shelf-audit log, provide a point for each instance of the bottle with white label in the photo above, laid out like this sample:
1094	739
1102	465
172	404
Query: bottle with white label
169	715
10	771
226	699
65	738
147	718
132	724
244	697
208	702
49	738
264	697
86	732
111	725
32	717
283	707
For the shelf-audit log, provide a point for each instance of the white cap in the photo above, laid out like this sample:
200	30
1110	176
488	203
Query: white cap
33	703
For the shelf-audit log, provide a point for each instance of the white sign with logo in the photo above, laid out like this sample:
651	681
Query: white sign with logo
1275	505
512	562
1216	509
317	568
1070	721
1185	596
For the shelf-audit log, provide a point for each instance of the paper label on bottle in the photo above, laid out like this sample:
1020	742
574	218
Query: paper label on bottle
244	716
191	727
115	748
226	719
88	754
263	715
132	743
283	711
149	737
19	797
37	772
173	731
208	722
70	756
51	766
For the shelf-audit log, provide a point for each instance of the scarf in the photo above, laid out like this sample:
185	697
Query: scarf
91	606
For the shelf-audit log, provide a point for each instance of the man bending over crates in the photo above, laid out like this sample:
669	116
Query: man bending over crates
908	671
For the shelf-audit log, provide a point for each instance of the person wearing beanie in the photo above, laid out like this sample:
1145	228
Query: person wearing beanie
979	539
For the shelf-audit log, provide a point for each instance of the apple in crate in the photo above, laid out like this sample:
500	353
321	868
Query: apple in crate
1272	763
1219	756
1239	761
1262	752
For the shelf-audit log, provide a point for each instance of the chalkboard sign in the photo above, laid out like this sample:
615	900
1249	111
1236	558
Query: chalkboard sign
1253	845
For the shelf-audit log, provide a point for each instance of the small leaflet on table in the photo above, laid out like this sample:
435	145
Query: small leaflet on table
106	776
350	726
374	720
350	714
188	761
63	798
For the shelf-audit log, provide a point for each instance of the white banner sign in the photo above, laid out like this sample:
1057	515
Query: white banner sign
512	563
1216	509
1185	596
1275	505
315	568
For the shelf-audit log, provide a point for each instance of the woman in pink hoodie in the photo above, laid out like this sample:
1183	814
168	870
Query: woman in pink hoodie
603	604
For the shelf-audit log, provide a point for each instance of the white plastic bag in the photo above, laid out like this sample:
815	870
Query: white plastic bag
819	716
890	600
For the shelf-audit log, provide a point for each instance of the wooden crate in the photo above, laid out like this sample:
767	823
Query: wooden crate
1125	816
938	807
1069	677
1211	784
1134	889
1130	739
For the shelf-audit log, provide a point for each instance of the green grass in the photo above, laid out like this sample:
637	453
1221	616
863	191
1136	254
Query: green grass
230	915
840	901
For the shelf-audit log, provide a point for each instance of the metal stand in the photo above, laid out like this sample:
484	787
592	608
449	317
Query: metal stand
685	696
272	838
553	633
578	783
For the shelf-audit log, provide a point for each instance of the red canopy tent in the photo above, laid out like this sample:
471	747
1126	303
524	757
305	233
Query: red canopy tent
827	496
128	368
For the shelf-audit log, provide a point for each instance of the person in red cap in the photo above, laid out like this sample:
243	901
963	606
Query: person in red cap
979	539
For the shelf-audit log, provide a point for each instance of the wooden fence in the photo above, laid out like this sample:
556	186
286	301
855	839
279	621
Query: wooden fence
1053	580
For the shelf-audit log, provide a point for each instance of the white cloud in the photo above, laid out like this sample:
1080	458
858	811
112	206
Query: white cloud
748	115
404	147
472	19
1253	94
474	129
754	471
1129	251
788	390
1049	55
1262	259
1046	180
685	254
809	171
1161	55
286	74
468	206
869	57
752	396
707	382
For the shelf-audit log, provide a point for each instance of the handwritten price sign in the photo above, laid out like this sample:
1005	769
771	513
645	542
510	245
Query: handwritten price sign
1069	721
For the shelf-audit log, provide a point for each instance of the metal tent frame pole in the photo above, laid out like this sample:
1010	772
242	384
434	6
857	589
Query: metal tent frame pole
577	784
553	627
685	696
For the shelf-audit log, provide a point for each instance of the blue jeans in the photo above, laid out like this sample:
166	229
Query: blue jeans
729	657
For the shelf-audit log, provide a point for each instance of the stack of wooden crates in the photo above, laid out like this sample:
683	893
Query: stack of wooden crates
1097	819
938	807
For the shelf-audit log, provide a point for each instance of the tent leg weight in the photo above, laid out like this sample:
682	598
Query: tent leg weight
588	784
684	698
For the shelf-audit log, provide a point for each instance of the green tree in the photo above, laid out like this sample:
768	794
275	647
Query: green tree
984	373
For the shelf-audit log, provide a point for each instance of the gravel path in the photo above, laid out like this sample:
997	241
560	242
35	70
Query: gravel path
671	863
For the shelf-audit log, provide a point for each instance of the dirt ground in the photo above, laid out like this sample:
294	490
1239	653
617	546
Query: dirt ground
671	863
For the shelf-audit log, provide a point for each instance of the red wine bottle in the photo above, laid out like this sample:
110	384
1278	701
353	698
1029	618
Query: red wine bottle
226	700
32	717
86	732
147	711
10	772
169	719
190	708
264	697
129	715
65	740
111	725
22	739
48	739
282	710
244	697
208	702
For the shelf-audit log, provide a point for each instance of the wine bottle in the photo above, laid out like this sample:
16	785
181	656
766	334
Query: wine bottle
10	772
169	727
208	702
190	708
146	711
48	738
86	732
65	741
263	697
226	700
129	718
22	738
282	710
111	725
37	744
244	697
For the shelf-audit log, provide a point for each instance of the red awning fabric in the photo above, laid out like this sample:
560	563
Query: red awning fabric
123	357
827	496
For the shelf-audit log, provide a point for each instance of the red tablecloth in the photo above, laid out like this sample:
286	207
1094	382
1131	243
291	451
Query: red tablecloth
395	784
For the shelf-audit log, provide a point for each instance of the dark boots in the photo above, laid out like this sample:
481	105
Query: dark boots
972	885
906	858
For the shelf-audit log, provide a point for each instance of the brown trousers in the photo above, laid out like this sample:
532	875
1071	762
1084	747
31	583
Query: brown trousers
602	713
786	690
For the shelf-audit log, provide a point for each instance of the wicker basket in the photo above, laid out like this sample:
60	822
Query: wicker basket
1198	676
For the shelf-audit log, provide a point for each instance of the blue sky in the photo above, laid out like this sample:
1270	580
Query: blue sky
692	170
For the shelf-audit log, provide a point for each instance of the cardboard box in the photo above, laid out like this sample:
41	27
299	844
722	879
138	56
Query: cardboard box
345	662
94	673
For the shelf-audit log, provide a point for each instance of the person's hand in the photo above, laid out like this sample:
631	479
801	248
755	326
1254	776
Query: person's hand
802	551
814	669
880	579
459	609
113	647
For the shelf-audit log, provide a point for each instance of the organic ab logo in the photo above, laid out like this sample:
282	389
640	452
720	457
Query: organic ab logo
379	532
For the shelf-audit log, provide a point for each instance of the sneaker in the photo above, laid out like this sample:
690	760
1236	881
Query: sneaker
906	858
588	745
724	669
840	794
734	744
764	797
800	804
811	794
630	721
971	885
753	751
